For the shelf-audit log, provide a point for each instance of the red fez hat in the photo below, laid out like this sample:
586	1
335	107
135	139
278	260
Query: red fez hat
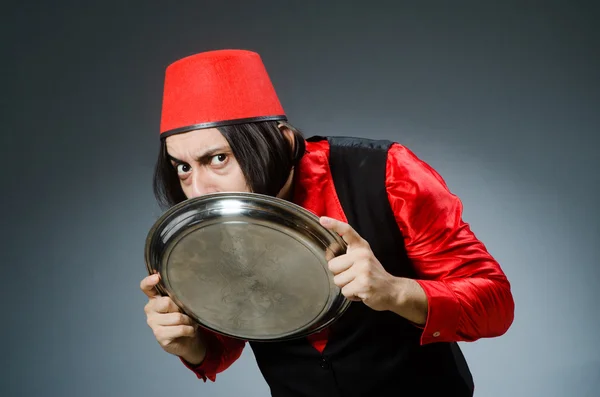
217	88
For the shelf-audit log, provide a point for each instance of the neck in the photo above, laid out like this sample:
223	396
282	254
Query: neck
287	192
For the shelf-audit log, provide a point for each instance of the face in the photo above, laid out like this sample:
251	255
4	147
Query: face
204	163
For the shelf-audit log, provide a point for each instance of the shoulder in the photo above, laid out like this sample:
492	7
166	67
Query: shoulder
401	163
348	145
404	165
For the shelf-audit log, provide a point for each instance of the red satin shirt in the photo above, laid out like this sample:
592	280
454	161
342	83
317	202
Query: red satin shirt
468	294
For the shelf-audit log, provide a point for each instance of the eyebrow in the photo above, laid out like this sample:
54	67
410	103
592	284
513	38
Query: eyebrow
203	156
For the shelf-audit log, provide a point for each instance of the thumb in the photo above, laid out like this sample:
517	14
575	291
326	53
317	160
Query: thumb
148	286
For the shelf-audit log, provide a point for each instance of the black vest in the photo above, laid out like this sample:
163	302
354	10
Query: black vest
369	353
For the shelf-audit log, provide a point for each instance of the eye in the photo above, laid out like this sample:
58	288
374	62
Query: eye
183	168
218	160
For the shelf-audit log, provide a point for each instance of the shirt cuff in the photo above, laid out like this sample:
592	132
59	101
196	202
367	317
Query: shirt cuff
197	369
443	312
208	368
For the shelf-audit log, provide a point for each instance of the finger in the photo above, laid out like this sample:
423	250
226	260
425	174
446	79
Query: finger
351	291
350	236
148	286
174	331
341	263
344	278
164	304
169	319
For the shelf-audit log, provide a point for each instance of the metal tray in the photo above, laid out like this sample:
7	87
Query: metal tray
248	266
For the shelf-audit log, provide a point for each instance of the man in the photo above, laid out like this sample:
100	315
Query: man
418	278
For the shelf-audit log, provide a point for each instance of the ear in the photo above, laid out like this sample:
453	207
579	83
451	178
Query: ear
288	133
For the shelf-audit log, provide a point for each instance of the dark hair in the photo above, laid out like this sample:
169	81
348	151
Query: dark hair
264	154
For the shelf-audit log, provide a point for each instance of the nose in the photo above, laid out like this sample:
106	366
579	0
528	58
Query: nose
200	185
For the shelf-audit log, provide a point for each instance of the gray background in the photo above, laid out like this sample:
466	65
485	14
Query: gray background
502	99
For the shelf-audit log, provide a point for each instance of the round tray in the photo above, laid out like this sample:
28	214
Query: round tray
248	266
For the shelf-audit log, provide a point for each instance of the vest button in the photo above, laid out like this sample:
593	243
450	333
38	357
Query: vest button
324	363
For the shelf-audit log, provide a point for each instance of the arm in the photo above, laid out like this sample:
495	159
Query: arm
460	291
221	353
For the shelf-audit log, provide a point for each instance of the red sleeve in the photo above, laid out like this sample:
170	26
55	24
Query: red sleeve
468	294
221	352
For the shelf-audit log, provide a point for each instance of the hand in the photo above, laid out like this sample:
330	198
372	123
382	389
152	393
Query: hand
358	273
176	332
